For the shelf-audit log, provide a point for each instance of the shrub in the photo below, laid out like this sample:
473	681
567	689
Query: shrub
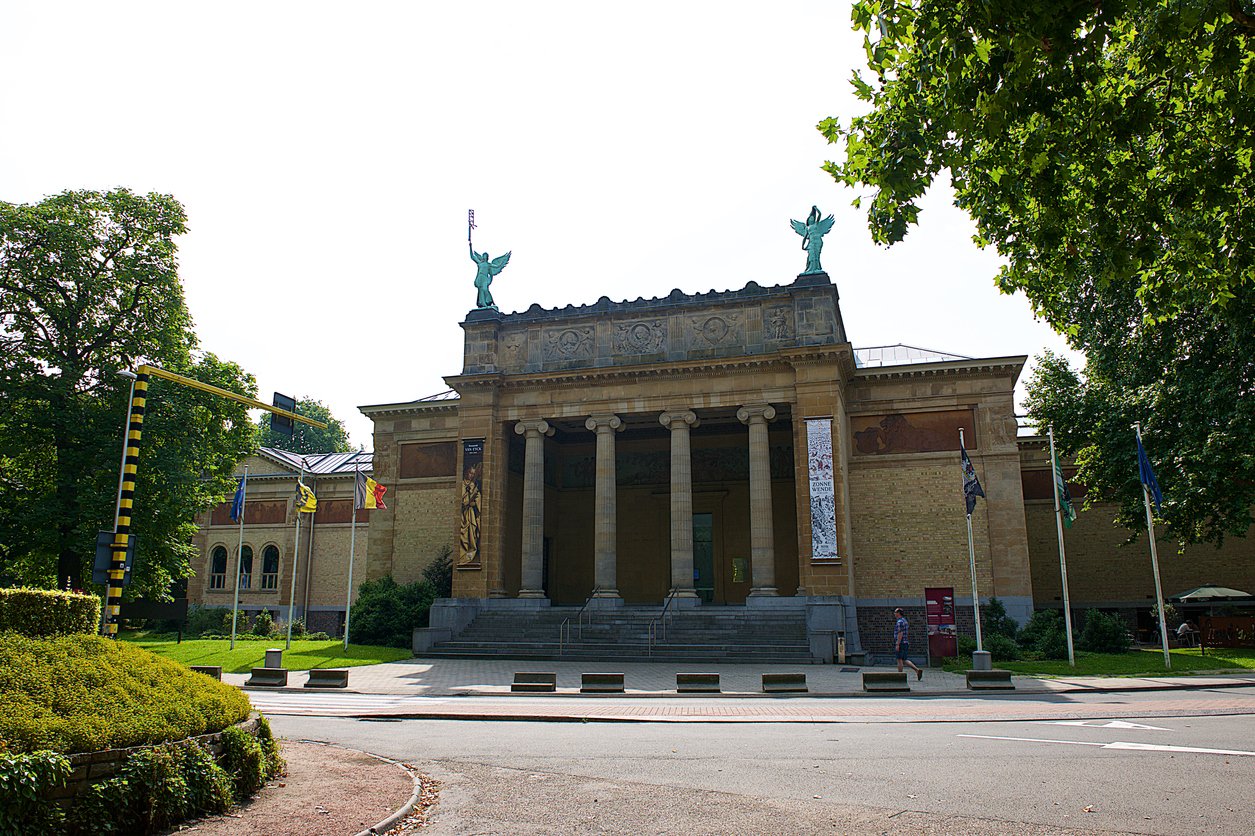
243	758
263	624
386	612
439	573
25	781
1044	635
84	693
995	621
1000	647
1104	633
201	620
47	612
966	647
155	789
273	762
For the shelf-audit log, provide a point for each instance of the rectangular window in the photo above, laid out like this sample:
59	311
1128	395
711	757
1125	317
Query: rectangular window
270	580
218	581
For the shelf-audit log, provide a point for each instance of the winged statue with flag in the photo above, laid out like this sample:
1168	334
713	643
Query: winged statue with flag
813	232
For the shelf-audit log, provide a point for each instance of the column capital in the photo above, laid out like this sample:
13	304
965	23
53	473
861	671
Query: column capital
604	423
674	419
756	413
539	427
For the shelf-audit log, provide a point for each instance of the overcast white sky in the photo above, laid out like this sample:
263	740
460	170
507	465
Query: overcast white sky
327	155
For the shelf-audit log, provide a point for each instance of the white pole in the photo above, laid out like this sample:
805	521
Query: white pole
971	558
1063	560
239	558
1154	563
296	555
348	597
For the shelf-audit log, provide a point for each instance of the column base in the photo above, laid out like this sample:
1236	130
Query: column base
684	598
606	598
532	593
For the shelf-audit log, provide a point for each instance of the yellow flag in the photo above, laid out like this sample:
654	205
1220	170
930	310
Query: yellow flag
306	502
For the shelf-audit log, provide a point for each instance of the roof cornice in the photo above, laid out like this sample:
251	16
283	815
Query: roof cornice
1011	365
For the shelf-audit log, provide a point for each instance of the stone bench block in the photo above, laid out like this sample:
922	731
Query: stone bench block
535	682
784	683
209	670
328	678
697	683
991	680
268	678
601	683
885	681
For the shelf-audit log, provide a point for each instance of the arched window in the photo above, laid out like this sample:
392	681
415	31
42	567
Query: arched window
218	568
270	567
246	567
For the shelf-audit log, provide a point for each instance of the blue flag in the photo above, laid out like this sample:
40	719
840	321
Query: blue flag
971	485
1148	476
237	504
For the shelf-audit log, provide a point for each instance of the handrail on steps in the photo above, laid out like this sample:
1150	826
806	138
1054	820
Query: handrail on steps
658	627
564	629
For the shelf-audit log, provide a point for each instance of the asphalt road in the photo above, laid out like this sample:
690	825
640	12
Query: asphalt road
1140	775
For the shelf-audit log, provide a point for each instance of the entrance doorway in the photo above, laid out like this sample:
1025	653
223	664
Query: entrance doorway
704	556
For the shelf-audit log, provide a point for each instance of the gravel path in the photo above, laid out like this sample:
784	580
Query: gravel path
327	791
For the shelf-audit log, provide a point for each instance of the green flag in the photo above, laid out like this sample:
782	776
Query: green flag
1065	498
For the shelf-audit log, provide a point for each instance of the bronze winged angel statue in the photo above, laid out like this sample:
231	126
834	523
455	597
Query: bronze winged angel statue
813	232
484	272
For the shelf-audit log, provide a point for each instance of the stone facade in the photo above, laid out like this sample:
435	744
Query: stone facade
631	451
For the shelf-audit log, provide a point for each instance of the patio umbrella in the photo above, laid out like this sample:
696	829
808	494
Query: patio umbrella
1207	594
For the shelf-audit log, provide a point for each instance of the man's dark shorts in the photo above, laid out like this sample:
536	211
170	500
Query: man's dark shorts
902	651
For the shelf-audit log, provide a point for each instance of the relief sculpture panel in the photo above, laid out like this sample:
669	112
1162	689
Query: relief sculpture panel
646	337
569	343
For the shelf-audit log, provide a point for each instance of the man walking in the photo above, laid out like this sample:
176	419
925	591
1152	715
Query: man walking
901	646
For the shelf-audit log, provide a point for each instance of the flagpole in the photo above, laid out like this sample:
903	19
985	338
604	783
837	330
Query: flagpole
239	558
1154	562
348	597
1063	560
296	553
971	558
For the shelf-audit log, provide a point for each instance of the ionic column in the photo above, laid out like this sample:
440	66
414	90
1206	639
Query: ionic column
605	569
681	501
762	537
532	562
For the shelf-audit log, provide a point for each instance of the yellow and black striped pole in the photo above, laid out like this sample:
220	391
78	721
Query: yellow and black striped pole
126	498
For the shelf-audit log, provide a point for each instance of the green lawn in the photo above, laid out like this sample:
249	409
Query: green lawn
250	654
1140	662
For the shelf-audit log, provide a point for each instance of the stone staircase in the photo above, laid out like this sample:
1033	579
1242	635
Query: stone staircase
707	634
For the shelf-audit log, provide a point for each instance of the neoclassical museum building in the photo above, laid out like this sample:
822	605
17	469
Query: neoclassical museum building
727	452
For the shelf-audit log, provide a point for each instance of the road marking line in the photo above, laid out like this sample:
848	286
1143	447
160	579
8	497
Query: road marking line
1137	747
1114	724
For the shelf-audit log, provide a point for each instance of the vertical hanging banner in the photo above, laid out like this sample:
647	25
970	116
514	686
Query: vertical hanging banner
823	495
472	496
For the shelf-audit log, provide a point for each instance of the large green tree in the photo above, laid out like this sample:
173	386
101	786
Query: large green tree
304	438
1105	149
88	286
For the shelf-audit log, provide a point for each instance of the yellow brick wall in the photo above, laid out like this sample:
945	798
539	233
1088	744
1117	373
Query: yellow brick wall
1102	571
909	530
424	517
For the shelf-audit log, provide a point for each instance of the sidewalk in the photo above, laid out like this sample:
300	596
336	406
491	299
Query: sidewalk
475	677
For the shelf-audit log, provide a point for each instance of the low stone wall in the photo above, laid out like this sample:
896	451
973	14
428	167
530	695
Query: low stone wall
90	767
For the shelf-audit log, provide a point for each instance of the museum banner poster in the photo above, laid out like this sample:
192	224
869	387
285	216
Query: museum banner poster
823	496
472	503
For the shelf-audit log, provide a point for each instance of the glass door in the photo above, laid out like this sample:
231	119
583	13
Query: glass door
704	556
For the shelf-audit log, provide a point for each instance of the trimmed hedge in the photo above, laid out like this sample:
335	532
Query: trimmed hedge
85	693
47	612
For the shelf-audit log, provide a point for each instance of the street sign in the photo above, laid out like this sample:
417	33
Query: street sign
104	557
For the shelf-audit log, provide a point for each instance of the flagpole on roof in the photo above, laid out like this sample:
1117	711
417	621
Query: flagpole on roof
348	597
971	558
1145	474
296	552
1056	474
239	556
